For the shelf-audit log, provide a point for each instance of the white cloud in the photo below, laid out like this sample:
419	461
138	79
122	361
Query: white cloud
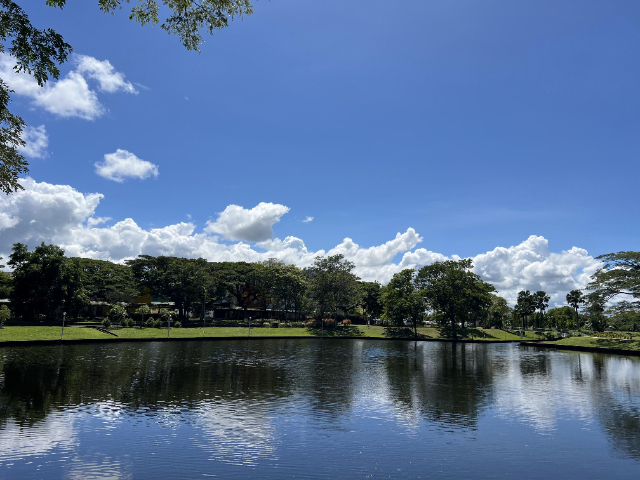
254	225
60	214
121	165
307	220
103	72
70	96
37	141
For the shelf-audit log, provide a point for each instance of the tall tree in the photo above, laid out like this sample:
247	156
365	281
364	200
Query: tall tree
540	303
499	311
332	286
107	281
291	287
39	52
45	280
403	300
454	292
525	306
575	298
240	280
371	299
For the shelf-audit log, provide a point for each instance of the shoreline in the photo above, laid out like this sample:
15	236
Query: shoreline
82	341
582	348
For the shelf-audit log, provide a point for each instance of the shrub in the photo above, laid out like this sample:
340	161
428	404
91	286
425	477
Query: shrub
150	322
266	325
127	322
177	325
106	323
275	325
157	323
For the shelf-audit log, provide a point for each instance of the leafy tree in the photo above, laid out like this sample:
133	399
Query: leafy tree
180	280
39	52
403	300
107	281
332	286
240	280
620	275
5	314
371	299
6	284
575	298
117	315
143	310
560	318
499	312
454	292
291	287
43	281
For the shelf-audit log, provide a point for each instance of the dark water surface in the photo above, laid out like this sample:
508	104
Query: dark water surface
316	409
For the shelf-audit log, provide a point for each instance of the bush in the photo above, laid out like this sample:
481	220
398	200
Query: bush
127	322
266	325
275	325
150	322
177	325
157	323
106	323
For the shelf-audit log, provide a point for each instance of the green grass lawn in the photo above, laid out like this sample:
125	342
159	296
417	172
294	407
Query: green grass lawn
48	333
53	333
599	343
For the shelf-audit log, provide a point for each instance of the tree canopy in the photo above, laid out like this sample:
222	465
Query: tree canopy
620	275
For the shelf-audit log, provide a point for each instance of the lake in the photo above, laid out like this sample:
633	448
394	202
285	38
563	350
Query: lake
313	408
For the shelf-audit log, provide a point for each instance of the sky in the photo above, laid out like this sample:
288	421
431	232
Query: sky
498	130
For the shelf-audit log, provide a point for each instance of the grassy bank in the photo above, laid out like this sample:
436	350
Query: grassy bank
600	343
29	333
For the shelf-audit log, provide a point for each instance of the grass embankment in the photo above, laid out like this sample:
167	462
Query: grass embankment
28	333
600	343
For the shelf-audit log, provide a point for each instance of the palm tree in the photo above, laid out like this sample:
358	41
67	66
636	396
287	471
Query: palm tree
575	298
541	302
525	306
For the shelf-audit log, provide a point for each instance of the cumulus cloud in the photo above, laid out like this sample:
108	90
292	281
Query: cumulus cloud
253	225
60	214
37	141
307	220
70	96
121	164
103	72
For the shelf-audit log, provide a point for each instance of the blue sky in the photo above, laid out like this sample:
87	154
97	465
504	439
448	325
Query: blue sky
477	124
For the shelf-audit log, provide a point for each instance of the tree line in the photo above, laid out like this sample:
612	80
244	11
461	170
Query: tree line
44	282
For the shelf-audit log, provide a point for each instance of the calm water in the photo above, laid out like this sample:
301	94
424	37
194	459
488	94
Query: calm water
316	409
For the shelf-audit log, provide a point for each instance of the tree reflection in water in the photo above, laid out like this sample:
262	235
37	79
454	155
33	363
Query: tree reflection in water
236	392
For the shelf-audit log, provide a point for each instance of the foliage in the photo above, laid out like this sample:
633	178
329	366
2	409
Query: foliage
526	306
36	52
620	275
107	281
177	325
371	299
6	284
150	322
499	312
106	323
43	281
332	286
5	314
575	298
402	300
117	314
453	292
